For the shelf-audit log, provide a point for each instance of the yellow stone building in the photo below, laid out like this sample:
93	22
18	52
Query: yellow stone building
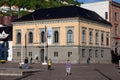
62	33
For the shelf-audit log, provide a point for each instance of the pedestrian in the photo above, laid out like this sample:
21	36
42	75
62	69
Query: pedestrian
88	60
68	68
49	63
26	63
20	65
31	60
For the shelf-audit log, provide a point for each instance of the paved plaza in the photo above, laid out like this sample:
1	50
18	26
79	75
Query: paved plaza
79	72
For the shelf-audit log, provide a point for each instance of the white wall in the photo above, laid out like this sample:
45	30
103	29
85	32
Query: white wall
99	7
10	51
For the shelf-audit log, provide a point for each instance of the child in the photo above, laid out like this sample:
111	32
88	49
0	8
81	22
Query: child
49	64
68	68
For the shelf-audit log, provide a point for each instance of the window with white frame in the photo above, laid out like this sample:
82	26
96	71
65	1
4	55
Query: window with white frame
83	35
30	37
107	39
116	16
56	36
30	53
83	52
116	31
18	38
97	37
70	36
102	38
69	54
90	36
55	54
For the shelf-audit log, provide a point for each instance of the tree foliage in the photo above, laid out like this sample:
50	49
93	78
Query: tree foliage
36	4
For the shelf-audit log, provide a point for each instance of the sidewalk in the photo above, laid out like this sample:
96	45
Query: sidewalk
79	72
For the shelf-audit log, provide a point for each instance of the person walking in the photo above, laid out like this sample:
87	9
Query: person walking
49	64
88	60
26	63
68	68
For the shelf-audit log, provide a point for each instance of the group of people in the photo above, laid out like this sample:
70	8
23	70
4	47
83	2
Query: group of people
49	63
68	66
26	63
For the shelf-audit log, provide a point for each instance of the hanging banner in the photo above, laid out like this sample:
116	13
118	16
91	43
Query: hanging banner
49	34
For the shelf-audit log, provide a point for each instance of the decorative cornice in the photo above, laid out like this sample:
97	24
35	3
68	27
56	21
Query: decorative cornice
62	20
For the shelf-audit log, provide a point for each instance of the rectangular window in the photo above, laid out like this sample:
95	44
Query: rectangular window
30	53
18	54
83	52
90	36
96	37
96	53
69	54
107	39
116	31
102	38
55	54
116	16
83	35
106	15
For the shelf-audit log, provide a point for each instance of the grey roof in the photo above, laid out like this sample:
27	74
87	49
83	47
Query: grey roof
62	12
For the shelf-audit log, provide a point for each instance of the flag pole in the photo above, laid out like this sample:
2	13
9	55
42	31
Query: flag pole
45	46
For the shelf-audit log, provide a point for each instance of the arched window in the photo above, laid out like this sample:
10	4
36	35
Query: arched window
18	38
42	36
30	37
69	36
56	37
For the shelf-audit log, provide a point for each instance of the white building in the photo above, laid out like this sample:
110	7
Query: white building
102	8
109	10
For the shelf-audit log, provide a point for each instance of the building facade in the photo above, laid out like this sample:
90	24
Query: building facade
48	33
110	11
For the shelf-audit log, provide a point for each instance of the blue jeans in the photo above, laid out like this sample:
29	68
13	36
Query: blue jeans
26	66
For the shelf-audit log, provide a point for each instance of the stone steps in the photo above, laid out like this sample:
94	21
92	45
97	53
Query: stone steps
16	71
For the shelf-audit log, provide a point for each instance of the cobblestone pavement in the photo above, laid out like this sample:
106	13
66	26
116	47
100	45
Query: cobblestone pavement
79	72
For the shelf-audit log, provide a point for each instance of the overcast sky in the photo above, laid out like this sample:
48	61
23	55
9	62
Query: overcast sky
87	1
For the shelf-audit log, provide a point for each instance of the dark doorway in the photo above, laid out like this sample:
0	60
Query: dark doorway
42	55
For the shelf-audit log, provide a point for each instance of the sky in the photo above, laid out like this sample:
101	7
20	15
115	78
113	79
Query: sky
88	1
